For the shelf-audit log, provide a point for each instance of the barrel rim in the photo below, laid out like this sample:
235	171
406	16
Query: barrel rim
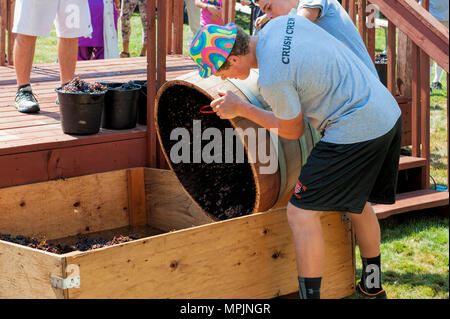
208	95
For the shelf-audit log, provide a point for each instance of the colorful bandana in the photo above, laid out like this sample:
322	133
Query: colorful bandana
212	46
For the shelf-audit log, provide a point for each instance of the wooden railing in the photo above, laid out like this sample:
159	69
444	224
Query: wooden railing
420	36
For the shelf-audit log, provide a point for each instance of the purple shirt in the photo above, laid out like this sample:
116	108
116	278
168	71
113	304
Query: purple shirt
205	17
96	9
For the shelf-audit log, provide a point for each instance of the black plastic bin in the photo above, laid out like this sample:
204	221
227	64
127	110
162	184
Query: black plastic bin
120	110
142	102
81	113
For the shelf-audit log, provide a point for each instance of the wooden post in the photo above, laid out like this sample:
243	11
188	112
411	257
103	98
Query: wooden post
137	207
415	107
345	4
352	10
404	67
151	84
391	57
11	36
425	108
362	20
228	11
448	148
177	38
169	25
371	37
3	21
425	114
161	63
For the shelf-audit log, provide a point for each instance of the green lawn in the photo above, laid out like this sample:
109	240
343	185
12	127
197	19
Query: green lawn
414	246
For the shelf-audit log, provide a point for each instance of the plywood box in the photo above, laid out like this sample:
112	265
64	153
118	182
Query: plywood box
183	254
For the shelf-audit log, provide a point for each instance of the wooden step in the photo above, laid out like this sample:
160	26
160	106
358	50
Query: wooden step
407	162
410	201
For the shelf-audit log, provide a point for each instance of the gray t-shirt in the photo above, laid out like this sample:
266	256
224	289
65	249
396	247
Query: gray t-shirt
302	67
334	19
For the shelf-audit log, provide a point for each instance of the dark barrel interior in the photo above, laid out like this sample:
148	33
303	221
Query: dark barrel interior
222	190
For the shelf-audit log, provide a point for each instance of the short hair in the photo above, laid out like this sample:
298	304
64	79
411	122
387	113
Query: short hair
241	46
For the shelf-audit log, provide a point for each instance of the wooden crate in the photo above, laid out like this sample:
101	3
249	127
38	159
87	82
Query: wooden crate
184	253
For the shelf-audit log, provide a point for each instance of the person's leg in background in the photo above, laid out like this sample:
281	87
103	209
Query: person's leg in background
194	20
67	57
128	7
28	27
143	14
98	53
84	53
436	81
24	48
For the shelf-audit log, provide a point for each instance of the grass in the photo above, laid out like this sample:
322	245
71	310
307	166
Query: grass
414	256
414	246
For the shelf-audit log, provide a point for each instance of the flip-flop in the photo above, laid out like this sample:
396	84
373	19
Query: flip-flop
124	54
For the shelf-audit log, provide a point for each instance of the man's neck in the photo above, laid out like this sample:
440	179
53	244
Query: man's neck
252	60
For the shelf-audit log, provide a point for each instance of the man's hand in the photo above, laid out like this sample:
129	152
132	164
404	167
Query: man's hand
245	2
261	21
215	11
228	106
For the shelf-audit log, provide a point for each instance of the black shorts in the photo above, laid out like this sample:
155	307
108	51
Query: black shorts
343	177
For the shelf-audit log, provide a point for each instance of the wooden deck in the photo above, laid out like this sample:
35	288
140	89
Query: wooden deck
33	147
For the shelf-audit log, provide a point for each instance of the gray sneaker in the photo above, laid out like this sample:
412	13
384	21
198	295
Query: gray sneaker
437	86
26	101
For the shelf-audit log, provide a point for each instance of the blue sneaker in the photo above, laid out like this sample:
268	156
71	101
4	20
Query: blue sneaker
26	101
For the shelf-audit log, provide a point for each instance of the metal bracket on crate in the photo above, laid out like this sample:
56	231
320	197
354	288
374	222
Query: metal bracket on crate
65	283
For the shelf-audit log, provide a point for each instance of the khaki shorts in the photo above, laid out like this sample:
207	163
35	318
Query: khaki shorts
72	18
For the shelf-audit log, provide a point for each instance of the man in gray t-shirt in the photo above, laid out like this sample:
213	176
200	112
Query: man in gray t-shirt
325	83
327	14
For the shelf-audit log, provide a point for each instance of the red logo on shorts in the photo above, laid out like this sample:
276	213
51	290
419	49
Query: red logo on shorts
299	188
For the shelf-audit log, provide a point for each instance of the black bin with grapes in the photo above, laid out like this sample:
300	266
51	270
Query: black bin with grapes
120	110
81	106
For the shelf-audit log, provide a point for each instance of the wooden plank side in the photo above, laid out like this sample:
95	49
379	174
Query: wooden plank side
136	197
25	272
247	257
174	210
32	167
61	208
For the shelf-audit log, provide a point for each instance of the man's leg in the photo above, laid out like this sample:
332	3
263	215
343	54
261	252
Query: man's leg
24	47
309	249
67	57
367	230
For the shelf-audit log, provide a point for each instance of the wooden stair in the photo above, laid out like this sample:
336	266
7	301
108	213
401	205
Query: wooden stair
412	201
408	162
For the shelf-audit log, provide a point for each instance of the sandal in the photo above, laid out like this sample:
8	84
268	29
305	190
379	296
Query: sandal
124	54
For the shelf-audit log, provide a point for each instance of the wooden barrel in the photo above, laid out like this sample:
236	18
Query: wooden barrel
228	190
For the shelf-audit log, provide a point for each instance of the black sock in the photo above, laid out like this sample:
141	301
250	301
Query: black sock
371	275
22	86
309	288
